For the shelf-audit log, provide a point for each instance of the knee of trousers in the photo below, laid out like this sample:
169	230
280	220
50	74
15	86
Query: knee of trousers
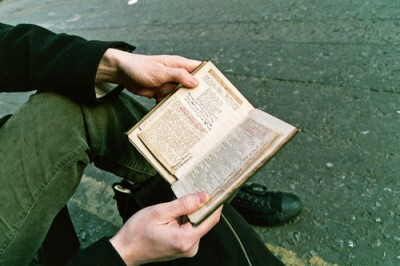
51	124
46	132
44	151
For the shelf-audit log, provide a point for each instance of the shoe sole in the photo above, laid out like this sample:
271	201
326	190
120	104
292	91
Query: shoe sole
265	220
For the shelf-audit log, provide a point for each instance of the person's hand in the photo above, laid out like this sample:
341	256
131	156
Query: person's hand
157	233
149	76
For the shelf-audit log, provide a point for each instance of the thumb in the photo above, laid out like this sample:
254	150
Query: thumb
182	76
188	204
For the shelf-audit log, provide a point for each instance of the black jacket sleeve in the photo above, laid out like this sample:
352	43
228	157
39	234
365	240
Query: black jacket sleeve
101	253
33	58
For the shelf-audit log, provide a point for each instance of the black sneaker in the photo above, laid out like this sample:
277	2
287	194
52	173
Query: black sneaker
258	206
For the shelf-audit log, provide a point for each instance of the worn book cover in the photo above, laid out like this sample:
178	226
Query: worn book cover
209	138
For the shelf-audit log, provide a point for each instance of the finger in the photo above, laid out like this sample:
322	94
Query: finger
182	62
145	92
193	251
205	226
187	204
158	100
165	89
182	76
209	223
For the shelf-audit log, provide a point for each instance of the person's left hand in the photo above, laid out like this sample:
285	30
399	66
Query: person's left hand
157	233
149	76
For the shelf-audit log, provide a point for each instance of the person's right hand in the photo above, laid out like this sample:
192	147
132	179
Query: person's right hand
157	233
150	76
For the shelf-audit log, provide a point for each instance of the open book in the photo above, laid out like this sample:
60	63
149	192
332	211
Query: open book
208	139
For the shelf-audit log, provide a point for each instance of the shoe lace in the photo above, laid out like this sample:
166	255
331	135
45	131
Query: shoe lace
255	194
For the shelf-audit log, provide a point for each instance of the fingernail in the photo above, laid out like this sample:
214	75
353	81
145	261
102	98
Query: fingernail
193	81
204	197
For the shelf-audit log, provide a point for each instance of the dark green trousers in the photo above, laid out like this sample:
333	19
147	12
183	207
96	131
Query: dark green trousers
46	145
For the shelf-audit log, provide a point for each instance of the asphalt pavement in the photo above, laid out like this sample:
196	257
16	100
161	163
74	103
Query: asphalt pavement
331	68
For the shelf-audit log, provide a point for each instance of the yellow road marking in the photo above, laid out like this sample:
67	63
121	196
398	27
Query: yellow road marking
290	258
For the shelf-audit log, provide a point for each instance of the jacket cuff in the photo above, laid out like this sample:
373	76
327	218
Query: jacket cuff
105	91
101	253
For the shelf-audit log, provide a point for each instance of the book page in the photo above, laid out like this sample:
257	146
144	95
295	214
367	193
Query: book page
182	131
236	157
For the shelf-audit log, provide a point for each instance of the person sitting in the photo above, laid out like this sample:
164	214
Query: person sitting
65	126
